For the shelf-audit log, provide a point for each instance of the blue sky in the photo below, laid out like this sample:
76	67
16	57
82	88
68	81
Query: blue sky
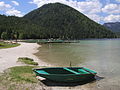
100	11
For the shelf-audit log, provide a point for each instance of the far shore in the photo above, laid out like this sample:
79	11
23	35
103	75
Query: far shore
9	56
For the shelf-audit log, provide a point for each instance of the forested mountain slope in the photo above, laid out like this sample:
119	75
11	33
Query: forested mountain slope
65	22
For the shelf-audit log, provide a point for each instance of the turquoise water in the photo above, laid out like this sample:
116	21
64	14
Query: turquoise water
103	56
61	54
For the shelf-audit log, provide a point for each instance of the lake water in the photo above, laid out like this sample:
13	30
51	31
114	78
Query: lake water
102	56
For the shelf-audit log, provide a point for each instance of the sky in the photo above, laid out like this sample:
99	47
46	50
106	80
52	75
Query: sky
100	11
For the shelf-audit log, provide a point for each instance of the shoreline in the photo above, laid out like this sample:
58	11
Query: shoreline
9	56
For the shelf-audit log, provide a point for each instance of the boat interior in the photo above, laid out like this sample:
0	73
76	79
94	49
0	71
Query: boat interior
64	70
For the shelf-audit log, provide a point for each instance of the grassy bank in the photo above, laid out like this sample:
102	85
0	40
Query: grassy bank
7	45
19	78
21	74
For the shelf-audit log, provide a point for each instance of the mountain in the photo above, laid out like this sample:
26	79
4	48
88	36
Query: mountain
52	21
65	22
114	26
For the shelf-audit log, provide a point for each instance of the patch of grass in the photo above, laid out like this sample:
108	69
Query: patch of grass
8	45
27	61
22	73
19	77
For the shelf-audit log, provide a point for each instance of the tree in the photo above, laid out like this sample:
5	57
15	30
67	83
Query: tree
4	36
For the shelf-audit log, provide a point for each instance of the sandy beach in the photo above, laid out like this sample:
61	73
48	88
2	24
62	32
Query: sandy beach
9	56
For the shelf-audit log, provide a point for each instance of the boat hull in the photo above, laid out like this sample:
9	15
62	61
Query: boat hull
67	77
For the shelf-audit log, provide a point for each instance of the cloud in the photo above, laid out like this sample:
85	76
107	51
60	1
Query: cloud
112	18
117	0
15	3
4	6
10	10
111	9
14	12
89	7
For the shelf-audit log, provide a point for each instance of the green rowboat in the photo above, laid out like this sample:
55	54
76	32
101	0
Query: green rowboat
66	74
